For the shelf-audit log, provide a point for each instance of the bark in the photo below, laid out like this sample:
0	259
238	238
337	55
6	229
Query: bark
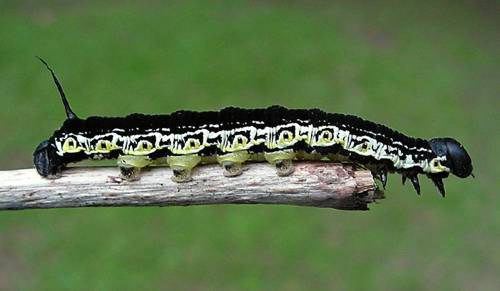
316	184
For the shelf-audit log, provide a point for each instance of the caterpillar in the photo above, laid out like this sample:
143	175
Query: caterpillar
233	136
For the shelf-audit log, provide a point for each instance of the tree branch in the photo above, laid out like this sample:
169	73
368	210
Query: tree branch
312	184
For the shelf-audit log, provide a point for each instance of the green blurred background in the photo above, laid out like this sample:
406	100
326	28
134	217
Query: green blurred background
426	68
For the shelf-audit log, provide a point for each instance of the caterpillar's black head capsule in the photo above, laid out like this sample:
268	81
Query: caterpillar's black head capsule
47	162
457	158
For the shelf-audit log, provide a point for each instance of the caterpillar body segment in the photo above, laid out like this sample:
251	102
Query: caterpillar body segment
234	136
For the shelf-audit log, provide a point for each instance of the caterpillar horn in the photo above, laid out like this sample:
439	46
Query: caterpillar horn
69	113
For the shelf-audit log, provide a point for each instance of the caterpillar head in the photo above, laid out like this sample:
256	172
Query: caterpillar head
456	157
47	162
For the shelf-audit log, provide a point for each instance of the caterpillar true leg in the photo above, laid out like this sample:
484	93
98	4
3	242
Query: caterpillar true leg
415	183
130	166
182	167
282	160
413	177
379	172
232	163
383	177
438	182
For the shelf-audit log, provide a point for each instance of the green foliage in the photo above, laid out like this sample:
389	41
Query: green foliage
425	70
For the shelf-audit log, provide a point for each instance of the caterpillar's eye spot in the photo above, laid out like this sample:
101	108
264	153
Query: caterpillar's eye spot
70	145
326	136
435	163
192	144
286	136
240	140
103	145
144	145
363	147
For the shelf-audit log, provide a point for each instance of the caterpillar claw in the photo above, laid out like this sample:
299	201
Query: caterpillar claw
130	166
282	160
232	163
181	175
284	167
232	169
403	178
55	175
130	173
182	167
416	185
438	181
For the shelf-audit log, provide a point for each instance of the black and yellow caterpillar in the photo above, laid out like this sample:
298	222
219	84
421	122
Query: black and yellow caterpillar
233	136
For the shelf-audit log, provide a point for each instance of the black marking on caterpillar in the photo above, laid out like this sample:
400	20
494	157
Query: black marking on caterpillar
235	135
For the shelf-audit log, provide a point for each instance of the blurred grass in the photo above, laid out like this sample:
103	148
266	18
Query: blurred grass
427	68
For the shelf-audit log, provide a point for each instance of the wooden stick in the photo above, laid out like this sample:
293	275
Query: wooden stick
317	184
